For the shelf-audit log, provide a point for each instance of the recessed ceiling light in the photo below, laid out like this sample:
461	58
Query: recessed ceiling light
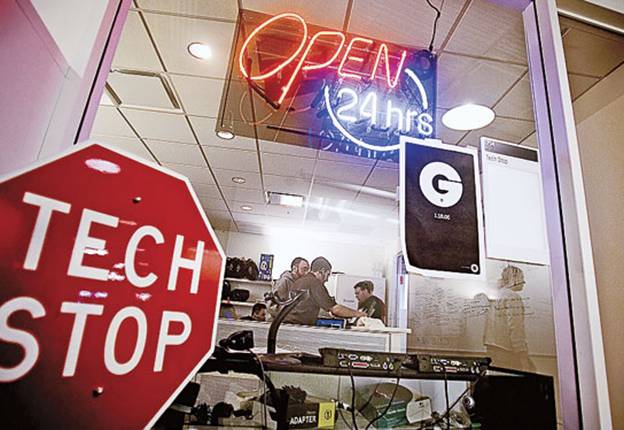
200	51
238	180
468	117
246	208
284	199
225	134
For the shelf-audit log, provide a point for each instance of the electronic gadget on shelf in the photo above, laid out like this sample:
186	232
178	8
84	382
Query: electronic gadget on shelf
436	364
334	357
422	363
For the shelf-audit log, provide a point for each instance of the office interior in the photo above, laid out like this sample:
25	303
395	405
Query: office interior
168	104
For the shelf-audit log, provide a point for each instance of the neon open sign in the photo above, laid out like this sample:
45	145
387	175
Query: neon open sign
366	93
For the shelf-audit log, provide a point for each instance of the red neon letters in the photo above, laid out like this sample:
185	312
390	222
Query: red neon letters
352	57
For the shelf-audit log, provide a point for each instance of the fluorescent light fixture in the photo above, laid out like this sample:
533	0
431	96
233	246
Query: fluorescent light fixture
238	180
225	134
283	199
246	208
468	117
200	51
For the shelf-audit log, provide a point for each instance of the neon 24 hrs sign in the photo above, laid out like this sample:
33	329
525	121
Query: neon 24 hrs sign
353	94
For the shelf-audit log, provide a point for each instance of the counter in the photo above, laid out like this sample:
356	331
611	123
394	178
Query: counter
303	338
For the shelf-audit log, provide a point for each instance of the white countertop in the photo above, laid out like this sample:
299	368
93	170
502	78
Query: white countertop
309	327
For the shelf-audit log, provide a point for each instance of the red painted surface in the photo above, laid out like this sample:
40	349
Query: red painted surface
42	396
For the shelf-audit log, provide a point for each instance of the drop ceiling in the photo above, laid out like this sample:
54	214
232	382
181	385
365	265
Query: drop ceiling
163	103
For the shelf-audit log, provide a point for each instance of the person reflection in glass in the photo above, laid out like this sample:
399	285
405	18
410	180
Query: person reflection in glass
504	337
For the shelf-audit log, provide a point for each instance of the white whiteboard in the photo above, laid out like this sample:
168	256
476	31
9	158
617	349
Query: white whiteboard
447	314
513	203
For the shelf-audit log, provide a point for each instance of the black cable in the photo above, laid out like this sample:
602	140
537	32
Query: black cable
339	404
355	426
448	409
385	411
446	396
435	23
264	405
389	405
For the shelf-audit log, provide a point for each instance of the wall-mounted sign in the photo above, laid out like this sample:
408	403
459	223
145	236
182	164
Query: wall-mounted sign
111	278
317	87
513	203
441	222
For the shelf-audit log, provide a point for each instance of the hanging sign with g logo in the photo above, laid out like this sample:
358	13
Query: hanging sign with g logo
441	221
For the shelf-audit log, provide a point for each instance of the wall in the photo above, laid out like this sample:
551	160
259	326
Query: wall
50	53
600	129
351	258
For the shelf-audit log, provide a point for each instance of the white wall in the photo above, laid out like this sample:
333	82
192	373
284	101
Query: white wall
351	258
600	130
49	56
73	24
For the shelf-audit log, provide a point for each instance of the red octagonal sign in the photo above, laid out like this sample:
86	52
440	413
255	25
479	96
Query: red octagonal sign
110	279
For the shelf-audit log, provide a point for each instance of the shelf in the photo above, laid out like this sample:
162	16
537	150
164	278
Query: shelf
248	282
229	302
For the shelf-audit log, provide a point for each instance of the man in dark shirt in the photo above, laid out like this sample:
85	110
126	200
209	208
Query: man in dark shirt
306	312
258	313
373	306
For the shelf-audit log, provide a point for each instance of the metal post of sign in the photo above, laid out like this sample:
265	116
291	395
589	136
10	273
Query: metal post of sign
580	355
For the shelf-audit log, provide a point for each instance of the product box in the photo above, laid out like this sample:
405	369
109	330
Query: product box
265	269
311	415
407	406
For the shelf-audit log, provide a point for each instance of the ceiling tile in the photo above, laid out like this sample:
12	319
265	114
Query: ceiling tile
530	141
333	191
276	164
205	130
213	203
517	103
207	190
285	184
199	96
234	159
285	211
256	208
160	126
388	200
591	54
224	177
491	31
220	224
384	179
467	80
135	51
140	90
403	22
341	172
286	149
109	122
445	134
509	130
579	84
174	34
223	9
241	194
345	158
129	144
197	175
179	153
327	13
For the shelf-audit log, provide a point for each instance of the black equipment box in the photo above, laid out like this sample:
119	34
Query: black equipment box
422	363
334	357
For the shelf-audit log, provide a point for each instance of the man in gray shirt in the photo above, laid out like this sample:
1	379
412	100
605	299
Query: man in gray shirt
306	312
298	268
